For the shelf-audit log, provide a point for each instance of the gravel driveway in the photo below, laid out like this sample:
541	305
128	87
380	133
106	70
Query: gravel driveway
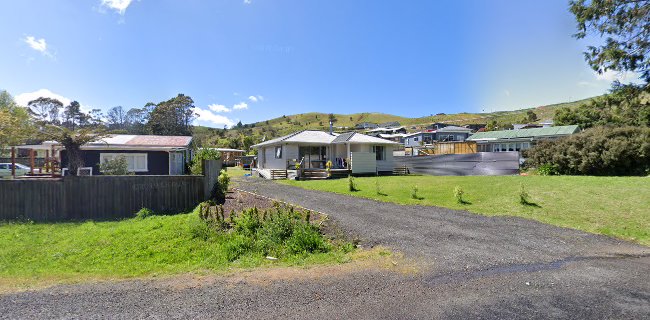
472	266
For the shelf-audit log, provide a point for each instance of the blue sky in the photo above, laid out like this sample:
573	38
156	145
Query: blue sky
252	60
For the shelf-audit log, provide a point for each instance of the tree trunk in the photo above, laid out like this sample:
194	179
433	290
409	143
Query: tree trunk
75	160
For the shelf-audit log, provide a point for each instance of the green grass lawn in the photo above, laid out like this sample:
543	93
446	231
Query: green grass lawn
35	254
613	206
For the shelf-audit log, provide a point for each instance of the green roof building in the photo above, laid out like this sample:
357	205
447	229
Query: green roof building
517	140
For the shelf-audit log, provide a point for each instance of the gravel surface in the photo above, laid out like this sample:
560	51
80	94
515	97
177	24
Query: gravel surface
470	266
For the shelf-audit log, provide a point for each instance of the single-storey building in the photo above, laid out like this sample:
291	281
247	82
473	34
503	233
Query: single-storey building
312	149
145	154
517	140
229	156
385	130
365	126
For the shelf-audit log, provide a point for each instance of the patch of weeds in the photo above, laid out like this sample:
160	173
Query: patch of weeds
352	185
524	197
379	189
144	213
414	193
459	194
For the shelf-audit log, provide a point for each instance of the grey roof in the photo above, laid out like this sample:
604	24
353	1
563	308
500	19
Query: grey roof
454	129
306	136
321	137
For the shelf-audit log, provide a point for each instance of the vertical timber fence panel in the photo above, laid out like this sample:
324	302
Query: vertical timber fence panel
97	197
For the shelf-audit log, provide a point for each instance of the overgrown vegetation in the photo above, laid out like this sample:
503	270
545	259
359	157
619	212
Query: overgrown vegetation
458	195
115	167
278	233
614	206
203	154
37	253
352	185
598	151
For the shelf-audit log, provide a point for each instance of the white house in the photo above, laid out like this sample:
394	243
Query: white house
356	152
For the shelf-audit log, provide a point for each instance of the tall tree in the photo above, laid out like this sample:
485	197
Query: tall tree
73	116
15	122
72	140
46	109
116	118
626	26
172	117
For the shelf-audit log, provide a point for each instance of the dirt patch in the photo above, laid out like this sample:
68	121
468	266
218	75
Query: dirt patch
237	201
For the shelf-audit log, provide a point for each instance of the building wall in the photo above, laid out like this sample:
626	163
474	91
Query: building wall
157	161
270	162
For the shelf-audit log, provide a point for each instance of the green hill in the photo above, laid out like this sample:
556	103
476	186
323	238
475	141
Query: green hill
345	122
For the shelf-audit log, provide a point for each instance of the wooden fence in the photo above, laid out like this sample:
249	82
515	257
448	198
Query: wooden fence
100	197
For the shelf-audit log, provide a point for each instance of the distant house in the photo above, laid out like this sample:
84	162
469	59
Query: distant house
229	156
145	154
436	126
385	130
390	124
365	126
518	140
354	151
445	134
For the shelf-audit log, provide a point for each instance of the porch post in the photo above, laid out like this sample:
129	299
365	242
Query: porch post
347	155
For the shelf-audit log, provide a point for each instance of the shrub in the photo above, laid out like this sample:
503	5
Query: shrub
115	167
547	169
306	239
224	181
144	213
598	151
352	185
378	188
236	246
458	194
203	154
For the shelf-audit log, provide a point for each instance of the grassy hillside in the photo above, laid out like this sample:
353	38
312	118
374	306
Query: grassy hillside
319	121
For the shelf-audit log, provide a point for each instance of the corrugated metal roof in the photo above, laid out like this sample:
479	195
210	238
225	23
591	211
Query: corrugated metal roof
129	140
525	133
454	129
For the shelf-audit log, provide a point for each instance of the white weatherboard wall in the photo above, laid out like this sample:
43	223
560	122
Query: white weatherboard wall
363	162
270	162
389	163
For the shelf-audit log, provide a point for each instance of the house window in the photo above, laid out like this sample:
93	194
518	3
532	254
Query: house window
415	139
278	152
380	152
137	162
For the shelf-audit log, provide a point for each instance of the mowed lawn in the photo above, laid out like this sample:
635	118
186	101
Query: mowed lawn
37	254
613	206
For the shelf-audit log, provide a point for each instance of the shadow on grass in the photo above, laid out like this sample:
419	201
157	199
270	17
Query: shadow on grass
530	204
382	194
464	202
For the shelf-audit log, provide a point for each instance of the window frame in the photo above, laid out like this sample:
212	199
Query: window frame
113	155
381	156
276	154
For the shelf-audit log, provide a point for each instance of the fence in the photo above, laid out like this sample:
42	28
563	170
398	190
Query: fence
101	197
473	164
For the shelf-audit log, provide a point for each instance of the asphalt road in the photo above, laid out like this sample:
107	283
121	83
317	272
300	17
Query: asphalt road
471	267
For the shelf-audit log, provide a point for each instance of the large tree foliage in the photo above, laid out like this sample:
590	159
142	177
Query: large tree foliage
597	151
626	26
625	105
15	122
172	117
116	118
46	109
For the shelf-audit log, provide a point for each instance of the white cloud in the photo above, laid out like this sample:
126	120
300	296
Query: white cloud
218	108
586	84
39	45
506	92
248	1
256	98
611	75
240	106
117	5
214	119
24	98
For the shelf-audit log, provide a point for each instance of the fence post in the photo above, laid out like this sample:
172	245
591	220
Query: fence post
211	170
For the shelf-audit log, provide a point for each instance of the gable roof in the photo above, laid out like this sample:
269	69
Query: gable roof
306	136
525	133
131	141
321	137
